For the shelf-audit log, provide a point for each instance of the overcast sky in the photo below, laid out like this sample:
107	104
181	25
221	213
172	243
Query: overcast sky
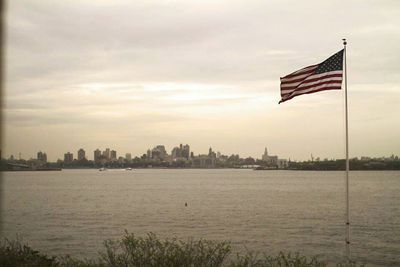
130	75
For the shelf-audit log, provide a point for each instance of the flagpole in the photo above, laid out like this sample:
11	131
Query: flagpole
347	157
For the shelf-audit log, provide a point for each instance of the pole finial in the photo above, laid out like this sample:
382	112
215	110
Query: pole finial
344	41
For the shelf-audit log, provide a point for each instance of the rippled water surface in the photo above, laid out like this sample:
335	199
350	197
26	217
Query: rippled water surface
73	211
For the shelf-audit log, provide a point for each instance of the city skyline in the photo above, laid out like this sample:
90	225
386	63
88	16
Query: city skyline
82	153
203	73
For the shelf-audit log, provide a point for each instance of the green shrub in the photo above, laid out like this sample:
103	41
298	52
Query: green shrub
13	253
282	259
150	251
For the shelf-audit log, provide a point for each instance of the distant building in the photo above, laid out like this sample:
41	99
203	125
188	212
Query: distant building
167	158
106	154
282	163
181	152
274	160
41	156
265	156
185	151
211	153
128	157
68	157
113	155
81	154
205	161
158	152
121	160
97	155
176	153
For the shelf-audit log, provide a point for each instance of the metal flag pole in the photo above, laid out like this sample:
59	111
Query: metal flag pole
347	157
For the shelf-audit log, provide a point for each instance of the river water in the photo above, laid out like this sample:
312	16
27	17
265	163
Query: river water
73	211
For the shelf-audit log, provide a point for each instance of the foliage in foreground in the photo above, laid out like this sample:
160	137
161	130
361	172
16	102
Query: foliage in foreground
150	251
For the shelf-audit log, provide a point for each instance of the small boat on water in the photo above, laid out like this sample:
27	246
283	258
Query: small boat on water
128	169
102	169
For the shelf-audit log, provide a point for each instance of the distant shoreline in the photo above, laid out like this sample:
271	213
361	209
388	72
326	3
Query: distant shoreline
190	168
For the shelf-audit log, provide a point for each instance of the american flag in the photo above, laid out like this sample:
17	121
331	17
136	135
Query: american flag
324	76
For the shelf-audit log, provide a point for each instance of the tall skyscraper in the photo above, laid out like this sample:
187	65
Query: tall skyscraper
106	153
97	155
128	156
185	151
158	152
81	154
113	155
176	153
68	157
162	150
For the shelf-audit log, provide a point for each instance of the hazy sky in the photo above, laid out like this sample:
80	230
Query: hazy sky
129	75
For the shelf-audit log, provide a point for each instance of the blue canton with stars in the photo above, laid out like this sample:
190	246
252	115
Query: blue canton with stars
333	63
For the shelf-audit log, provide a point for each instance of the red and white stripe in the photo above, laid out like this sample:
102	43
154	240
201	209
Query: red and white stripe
305	81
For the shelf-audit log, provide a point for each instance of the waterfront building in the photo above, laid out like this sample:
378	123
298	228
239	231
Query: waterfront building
203	161
68	157
211	153
81	154
113	155
282	163
41	156
185	152
106	154
274	161
176	153
97	155
158	152
162	150
271	160
155	154
181	152
167	158
128	157
265	156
